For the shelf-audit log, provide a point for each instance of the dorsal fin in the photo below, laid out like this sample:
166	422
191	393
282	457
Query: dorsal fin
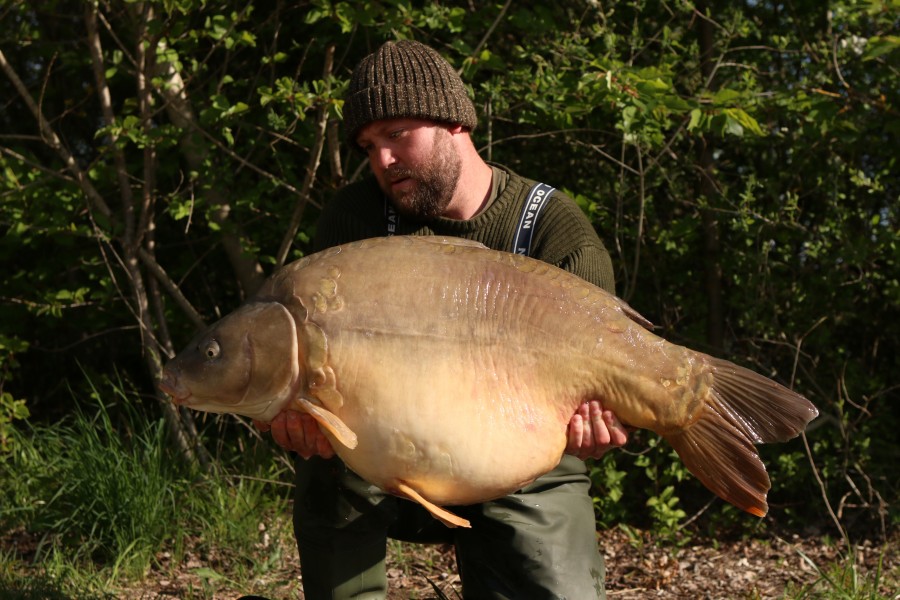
634	315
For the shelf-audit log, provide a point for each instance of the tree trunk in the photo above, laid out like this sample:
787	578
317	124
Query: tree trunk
712	264
248	271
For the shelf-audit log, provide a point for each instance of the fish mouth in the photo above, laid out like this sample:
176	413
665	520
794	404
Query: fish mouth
173	388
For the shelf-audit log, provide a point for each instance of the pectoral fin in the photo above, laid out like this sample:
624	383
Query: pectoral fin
444	516
329	421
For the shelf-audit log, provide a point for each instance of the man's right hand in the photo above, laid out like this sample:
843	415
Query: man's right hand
299	433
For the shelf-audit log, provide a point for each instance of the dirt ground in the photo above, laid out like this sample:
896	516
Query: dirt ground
703	570
637	568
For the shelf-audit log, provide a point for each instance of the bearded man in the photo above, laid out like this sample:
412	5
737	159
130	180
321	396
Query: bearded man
409	112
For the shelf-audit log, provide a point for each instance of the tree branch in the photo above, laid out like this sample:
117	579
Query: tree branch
105	98
312	166
490	30
25	161
334	152
160	274
146	222
95	200
639	236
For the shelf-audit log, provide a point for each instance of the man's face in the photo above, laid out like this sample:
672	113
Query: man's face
415	163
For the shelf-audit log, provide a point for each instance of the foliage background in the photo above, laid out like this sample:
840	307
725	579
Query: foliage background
739	159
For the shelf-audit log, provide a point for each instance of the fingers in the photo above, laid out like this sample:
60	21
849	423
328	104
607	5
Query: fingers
618	433
599	429
575	435
278	427
299	432
313	442
593	431
323	446
580	436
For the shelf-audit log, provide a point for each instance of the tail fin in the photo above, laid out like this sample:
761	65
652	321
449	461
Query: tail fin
744	409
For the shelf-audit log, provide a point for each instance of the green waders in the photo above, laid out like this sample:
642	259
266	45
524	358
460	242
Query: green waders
537	543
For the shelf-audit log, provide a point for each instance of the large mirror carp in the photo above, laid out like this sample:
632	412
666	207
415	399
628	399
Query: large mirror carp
446	373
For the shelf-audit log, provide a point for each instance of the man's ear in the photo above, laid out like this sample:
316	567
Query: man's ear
455	128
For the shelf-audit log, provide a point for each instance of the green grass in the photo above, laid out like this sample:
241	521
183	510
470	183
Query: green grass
104	494
843	579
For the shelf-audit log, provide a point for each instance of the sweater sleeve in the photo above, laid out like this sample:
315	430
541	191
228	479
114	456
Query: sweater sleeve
566	238
593	264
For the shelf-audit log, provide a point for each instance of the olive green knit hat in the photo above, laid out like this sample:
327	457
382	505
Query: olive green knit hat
405	79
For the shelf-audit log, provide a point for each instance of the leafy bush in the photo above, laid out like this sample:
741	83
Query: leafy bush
11	409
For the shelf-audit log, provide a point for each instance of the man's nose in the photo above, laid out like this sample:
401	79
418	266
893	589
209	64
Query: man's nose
382	157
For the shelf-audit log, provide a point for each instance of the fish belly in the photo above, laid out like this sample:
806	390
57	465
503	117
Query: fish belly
457	426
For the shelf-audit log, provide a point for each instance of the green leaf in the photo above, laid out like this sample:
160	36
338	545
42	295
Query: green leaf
696	117
726	96
879	46
218	26
743	120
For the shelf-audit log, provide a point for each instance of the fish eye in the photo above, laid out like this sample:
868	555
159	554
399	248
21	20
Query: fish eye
212	350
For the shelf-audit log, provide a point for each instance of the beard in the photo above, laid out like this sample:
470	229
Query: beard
436	181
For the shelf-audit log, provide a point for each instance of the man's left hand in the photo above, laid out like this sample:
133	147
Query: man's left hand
593	431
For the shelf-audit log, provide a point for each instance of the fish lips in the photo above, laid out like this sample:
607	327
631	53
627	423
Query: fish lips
171	385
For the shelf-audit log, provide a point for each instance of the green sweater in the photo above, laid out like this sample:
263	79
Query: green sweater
563	237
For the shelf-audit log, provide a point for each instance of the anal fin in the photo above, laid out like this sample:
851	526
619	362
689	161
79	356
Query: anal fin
330	421
444	516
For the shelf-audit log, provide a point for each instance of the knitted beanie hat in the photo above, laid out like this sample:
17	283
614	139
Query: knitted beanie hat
405	79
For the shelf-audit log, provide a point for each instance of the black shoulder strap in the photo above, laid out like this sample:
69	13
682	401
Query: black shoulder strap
535	202
391	218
